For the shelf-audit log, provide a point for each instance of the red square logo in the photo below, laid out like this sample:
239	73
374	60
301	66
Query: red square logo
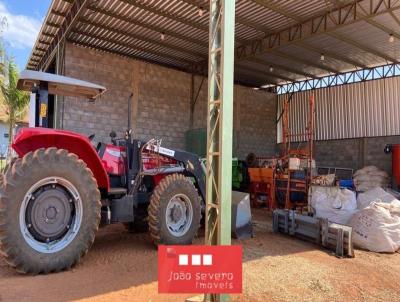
200	269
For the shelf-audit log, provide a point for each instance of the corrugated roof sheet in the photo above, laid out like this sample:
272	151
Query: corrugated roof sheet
175	34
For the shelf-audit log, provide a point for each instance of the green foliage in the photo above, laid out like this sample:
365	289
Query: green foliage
14	100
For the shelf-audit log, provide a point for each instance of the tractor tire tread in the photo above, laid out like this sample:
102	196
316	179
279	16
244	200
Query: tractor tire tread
16	255
170	182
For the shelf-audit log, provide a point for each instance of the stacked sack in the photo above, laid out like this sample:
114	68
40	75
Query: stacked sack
377	227
333	203
370	177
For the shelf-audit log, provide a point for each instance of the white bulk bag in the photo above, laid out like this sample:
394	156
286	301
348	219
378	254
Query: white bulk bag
365	199
377	227
335	204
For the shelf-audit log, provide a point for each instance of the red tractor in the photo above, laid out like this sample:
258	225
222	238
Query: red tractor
60	188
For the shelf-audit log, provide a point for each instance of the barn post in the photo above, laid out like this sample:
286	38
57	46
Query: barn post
220	125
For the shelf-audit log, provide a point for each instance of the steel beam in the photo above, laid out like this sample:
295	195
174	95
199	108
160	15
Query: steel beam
239	20
264	80
282	67
48	35
164	13
168	15
263	72
305	61
52	24
330	54
382	27
43	42
395	18
58	117
58	13
358	10
271	6
71	17
145	25
376	73
147	39
131	46
30	64
220	125
364	47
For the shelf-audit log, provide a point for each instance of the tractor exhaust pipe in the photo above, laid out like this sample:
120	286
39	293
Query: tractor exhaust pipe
128	133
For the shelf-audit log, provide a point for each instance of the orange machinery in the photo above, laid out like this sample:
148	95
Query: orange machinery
267	182
262	187
287	182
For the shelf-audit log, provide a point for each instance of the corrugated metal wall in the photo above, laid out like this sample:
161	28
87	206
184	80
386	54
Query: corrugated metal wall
363	109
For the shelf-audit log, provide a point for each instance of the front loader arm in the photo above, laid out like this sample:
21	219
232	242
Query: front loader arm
192	162
194	166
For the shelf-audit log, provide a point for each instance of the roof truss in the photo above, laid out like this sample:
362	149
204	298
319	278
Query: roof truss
194	48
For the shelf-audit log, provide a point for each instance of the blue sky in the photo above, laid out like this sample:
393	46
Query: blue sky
24	19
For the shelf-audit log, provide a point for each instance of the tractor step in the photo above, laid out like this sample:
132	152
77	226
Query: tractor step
117	191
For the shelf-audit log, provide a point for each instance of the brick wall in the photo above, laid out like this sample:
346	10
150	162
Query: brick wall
161	103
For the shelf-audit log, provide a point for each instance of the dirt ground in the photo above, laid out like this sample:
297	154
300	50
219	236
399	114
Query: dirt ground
123	267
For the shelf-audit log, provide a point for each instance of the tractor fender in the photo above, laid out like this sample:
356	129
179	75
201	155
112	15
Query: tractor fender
31	139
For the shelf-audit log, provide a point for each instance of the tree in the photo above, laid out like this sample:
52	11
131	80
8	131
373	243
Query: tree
14	100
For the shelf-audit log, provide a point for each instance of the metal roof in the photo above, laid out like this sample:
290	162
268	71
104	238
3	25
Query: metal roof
276	41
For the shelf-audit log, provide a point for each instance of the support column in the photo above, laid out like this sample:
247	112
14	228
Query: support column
219	125
58	119
191	105
194	96
43	110
135	86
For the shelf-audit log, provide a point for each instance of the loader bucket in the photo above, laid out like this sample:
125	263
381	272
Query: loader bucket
241	216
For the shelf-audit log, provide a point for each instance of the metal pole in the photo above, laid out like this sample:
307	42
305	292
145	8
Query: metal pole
43	110
58	119
220	125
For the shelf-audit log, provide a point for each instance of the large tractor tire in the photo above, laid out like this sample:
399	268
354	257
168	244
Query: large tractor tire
174	211
49	211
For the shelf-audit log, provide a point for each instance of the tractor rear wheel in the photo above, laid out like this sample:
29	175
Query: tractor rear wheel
49	211
174	211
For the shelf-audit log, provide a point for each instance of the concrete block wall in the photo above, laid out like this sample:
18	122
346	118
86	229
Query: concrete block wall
373	151
338	153
163	107
161	103
355	153
254	127
255	110
108	112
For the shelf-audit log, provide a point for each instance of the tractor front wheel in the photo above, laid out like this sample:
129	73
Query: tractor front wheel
174	211
49	211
